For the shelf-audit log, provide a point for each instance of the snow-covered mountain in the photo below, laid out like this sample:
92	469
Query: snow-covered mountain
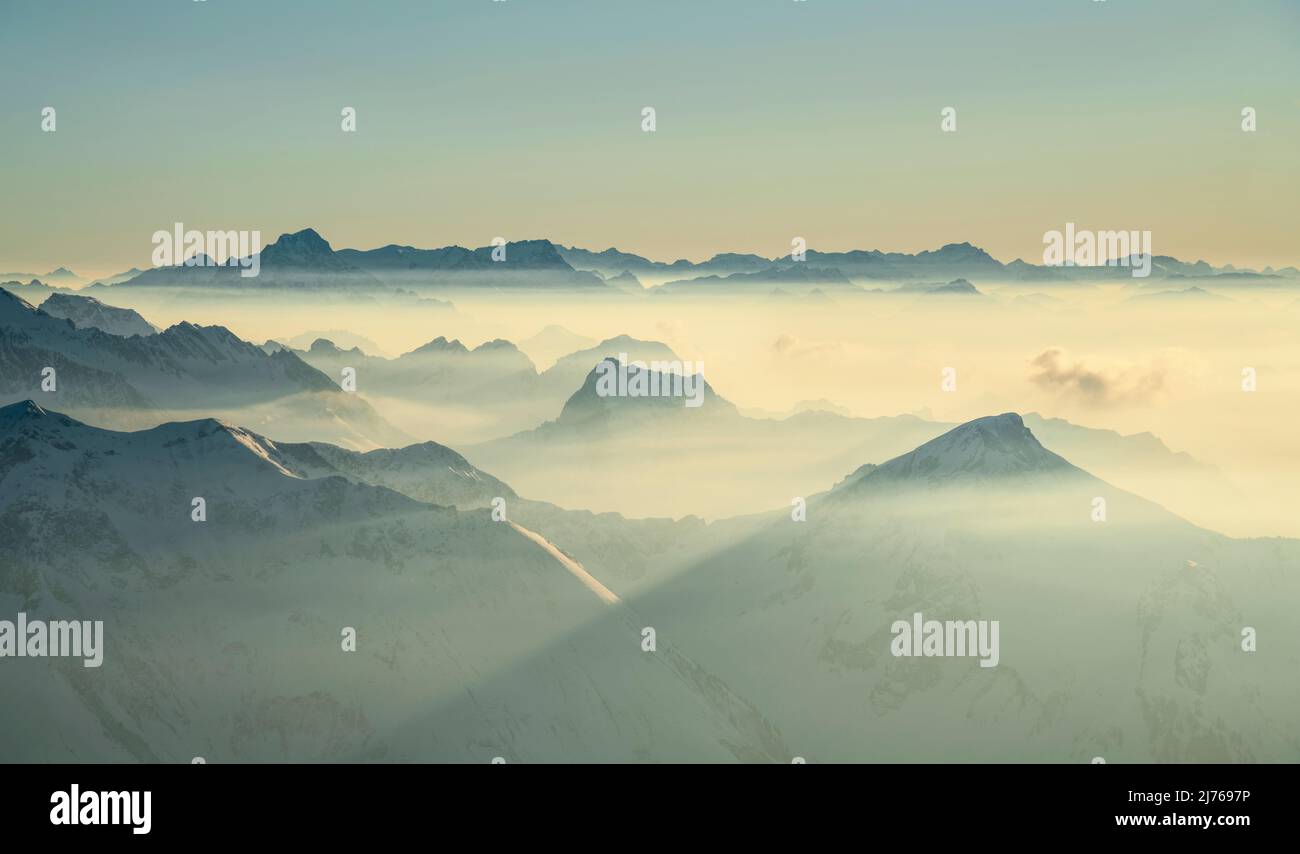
32	344
986	449
480	638
428	471
623	552
227	638
1122	628
584	454
88	311
185	365
186	368
1120	637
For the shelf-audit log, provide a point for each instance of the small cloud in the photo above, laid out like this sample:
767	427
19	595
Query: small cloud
1052	369
788	345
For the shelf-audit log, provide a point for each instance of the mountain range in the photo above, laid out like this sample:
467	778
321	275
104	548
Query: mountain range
60	275
585	452
223	636
137	380
479	638
304	260
548	429
494	384
949	262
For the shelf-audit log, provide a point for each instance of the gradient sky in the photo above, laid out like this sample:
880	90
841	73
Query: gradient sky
775	118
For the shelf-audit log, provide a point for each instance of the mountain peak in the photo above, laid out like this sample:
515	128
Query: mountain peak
995	446
528	255
22	409
68	299
326	347
441	345
307	237
301	249
640	390
496	345
962	249
29	417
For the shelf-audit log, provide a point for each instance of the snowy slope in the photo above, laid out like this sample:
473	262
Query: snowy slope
1120	637
87	311
990	448
427	471
223	637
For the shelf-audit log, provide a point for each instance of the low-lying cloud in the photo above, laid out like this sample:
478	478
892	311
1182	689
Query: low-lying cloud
1053	370
789	346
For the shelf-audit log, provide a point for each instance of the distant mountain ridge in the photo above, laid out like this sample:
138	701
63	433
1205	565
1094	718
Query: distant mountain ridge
34	290
949	262
305	260
957	287
60	274
801	277
302	260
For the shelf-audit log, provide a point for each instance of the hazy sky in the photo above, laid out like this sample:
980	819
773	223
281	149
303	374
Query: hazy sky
776	118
